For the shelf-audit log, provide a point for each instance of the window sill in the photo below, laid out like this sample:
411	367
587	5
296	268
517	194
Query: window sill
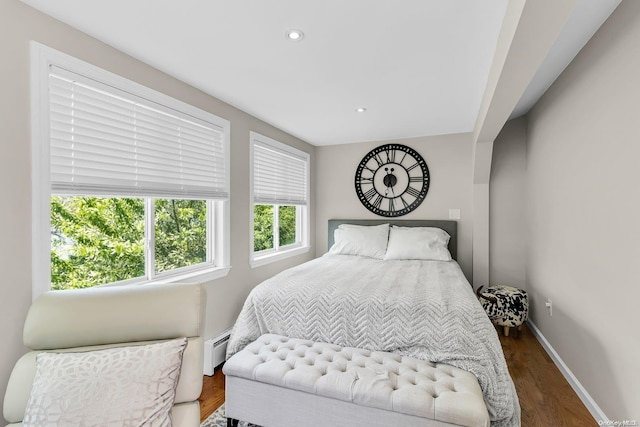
277	256
198	276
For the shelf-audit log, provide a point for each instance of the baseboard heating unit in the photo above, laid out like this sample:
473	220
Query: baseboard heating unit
215	351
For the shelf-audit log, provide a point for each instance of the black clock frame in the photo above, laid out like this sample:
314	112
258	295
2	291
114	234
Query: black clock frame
386	159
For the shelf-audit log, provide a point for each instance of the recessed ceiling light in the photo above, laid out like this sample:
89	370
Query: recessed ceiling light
361	110
294	35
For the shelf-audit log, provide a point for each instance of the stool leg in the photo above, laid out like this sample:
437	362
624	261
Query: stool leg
506	331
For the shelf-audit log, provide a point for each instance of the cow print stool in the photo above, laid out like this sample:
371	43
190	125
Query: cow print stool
506	306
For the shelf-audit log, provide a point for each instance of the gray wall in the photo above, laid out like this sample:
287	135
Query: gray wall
449	158
507	210
18	25
583	227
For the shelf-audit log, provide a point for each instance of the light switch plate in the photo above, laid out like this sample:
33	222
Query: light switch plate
454	213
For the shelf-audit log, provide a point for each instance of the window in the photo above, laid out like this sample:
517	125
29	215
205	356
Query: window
130	185
280	191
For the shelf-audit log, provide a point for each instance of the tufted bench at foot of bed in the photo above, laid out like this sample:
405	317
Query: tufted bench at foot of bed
278	381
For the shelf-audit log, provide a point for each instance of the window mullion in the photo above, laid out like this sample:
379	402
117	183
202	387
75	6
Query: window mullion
150	238
210	232
276	227
298	224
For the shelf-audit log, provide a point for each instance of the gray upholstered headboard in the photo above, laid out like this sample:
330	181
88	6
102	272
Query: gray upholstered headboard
450	227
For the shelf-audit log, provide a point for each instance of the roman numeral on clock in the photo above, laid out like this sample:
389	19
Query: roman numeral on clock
413	166
404	202
377	202
391	156
369	194
413	192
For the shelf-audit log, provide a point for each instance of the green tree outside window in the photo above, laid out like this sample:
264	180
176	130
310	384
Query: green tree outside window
101	240
263	226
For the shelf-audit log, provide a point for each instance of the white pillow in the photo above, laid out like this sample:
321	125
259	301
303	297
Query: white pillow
362	240
426	243
113	387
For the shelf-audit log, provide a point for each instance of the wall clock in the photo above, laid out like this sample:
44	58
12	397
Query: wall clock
392	180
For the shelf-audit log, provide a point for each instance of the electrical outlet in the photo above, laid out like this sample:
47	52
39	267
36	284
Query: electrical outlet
454	213
549	305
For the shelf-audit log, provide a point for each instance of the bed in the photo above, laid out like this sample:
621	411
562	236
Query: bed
420	308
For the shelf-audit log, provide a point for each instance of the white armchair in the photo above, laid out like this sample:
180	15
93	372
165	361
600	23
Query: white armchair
107	317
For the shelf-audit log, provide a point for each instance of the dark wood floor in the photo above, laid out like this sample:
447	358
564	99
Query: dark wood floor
546	398
212	394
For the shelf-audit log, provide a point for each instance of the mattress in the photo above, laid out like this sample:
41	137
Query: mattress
422	309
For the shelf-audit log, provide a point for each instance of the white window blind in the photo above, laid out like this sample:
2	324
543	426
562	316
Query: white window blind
108	142
279	176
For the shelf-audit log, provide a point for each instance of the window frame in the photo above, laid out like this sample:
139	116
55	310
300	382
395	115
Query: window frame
276	231
302	245
42	58
150	247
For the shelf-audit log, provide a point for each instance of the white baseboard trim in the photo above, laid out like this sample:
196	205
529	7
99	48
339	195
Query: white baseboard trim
582	393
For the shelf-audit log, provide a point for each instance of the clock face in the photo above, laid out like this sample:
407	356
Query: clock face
392	180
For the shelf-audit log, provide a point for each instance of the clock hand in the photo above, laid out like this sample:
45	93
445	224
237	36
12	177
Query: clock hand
390	181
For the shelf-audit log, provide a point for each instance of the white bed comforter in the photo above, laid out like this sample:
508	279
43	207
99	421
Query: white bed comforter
422	309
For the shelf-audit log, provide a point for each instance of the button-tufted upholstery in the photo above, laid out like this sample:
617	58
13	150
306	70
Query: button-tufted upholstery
369	378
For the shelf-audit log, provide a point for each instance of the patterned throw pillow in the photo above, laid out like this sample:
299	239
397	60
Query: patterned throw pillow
125	386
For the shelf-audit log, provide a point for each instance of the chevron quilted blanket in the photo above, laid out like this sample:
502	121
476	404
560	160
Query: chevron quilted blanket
422	309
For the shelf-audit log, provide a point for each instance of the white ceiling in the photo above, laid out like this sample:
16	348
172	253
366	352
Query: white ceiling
419	66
